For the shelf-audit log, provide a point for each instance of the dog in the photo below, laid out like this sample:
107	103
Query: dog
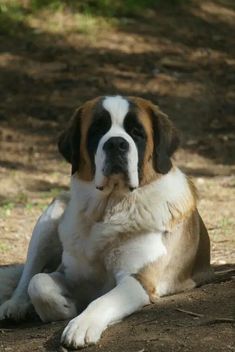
127	233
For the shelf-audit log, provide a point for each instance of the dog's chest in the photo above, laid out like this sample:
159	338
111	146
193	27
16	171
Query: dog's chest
101	252
124	239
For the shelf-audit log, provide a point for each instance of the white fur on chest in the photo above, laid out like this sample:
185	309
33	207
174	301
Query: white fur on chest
143	214
134	254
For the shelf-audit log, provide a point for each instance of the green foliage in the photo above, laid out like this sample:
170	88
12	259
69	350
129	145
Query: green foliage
54	5
105	8
6	208
12	15
21	200
109	8
4	247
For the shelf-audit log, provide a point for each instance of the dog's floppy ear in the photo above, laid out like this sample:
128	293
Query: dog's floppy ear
69	141
166	140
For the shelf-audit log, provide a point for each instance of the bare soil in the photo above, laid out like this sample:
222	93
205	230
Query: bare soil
183	59
161	327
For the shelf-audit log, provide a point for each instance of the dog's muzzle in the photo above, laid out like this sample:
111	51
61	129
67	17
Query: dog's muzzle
116	149
116	163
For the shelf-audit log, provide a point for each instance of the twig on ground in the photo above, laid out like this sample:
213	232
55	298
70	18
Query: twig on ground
226	271
147	322
193	314
224	275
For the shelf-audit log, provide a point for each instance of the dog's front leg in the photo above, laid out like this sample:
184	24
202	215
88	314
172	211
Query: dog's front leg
43	247
86	329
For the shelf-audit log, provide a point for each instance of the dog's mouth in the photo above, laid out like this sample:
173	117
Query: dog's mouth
115	177
115	168
115	182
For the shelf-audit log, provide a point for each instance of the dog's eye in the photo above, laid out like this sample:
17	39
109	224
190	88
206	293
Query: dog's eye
99	127
136	133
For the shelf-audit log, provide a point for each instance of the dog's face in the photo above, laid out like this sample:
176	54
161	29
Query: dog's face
125	141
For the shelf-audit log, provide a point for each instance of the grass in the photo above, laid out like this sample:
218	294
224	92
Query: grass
227	225
63	21
4	247
12	17
22	200
17	19
18	16
104	8
6	208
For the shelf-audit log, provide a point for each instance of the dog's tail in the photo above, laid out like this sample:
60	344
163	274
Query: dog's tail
9	278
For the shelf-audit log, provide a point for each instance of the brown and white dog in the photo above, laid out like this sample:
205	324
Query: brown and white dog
127	233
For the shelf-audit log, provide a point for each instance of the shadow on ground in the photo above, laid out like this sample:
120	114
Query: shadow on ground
199	320
180	57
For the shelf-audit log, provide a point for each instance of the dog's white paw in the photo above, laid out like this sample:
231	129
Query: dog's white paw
84	330
15	309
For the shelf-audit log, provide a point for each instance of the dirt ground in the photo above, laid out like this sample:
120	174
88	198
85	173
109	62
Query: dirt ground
183	59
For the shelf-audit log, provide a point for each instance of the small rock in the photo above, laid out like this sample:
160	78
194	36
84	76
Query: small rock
200	181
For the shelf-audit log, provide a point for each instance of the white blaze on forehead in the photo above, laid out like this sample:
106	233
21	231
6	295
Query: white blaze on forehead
117	107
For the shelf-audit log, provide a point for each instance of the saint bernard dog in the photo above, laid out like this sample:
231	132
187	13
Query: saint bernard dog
126	234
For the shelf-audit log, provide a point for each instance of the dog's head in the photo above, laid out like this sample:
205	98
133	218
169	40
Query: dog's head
118	140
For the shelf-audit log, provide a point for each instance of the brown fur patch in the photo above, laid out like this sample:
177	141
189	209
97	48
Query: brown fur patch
85	167
148	172
187	262
147	277
145	114
182	211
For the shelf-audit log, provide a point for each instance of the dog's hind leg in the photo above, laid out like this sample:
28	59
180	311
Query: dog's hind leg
51	297
44	249
9	278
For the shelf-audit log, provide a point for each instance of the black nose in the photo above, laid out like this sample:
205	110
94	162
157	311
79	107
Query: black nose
118	144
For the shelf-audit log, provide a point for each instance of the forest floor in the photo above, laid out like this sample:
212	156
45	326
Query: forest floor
181	57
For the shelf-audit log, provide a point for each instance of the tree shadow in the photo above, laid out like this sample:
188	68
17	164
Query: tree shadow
45	76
